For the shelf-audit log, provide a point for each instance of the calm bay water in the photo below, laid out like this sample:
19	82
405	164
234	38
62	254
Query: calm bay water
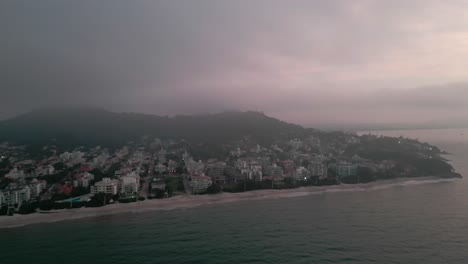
405	224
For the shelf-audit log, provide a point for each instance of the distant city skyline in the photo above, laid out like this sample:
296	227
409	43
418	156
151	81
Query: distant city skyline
306	62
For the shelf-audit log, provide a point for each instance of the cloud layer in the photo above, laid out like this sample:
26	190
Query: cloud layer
303	61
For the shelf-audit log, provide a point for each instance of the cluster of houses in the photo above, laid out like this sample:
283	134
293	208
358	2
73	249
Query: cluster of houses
299	160
32	180
138	166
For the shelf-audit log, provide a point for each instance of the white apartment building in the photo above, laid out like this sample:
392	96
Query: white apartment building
319	170
36	187
253	171
106	186
16	195
83	180
129	184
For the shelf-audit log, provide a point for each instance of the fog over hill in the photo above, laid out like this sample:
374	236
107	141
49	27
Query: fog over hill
425	107
441	106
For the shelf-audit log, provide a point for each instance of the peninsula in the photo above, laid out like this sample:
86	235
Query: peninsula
57	159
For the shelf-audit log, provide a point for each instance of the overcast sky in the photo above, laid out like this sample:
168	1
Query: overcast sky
310	61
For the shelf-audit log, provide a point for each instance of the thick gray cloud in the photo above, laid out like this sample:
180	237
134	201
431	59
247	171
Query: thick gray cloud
303	61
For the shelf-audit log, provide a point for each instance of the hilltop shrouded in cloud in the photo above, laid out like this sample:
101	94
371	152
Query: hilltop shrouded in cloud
302	61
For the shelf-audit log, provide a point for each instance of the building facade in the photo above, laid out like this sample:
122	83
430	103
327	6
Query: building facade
200	183
83	180
318	170
17	195
106	186
274	171
129	184
36	187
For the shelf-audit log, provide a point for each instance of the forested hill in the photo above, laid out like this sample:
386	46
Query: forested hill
214	135
79	126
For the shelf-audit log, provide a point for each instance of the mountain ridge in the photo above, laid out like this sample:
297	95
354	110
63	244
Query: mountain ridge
94	126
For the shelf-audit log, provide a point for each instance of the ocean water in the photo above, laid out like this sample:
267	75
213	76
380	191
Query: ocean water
407	223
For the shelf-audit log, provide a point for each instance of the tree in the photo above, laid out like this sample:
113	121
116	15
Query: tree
46	205
59	196
98	174
79	191
28	208
99	199
4	182
53	178
289	182
158	194
180	170
213	188
3	209
365	174
113	168
59	166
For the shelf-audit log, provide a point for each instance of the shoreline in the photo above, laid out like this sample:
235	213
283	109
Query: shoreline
192	201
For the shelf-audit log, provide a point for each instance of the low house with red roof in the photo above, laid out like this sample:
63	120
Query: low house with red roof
66	189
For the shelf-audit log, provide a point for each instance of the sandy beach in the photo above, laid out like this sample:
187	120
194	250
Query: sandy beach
190	201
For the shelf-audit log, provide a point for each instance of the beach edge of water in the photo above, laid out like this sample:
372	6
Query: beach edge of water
191	201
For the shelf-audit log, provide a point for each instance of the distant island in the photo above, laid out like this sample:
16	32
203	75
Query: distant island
55	159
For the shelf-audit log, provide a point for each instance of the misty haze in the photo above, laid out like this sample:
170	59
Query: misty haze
233	131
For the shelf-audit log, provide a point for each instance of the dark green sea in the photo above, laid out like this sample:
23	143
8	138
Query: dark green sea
408	223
